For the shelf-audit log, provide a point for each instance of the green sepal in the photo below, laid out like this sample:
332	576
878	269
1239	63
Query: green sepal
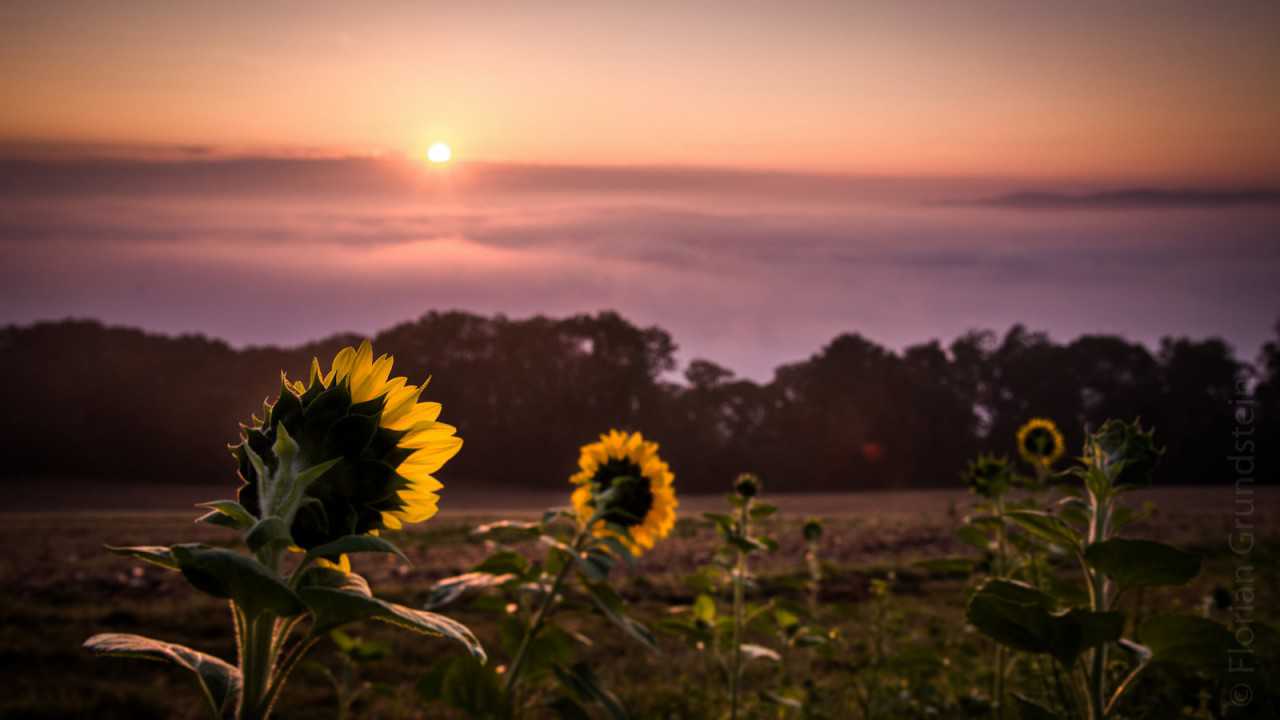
227	574
213	517
1142	563
232	514
268	533
219	681
154	554
337	598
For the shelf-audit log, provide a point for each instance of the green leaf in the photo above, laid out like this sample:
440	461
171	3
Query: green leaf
704	609
1029	709
1046	527
1142	563
580	680
947	566
337	598
507	532
1187	640
552	542
759	652
762	510
450	589
611	605
785	619
228	574
618	549
973	536
219	680
467	685
566	708
154	554
595	564
350	544
724	522
1079	630
1019	616
746	544
233	512
504	562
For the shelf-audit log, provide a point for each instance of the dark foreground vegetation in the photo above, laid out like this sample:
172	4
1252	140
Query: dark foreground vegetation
526	393
906	650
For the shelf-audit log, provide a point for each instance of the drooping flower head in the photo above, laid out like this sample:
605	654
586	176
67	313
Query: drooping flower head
812	530
989	476
747	485
1118	442
1040	443
388	442
641	497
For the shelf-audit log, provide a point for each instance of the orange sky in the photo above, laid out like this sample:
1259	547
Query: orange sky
1087	91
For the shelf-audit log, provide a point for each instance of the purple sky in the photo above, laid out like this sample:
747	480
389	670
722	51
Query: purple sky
750	269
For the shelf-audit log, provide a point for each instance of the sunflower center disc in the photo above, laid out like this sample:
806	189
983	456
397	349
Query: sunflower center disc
632	497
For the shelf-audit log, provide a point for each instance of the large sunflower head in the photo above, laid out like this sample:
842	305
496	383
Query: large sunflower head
387	445
641	497
1040	443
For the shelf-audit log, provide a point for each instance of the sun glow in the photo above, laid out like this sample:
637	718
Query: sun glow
439	153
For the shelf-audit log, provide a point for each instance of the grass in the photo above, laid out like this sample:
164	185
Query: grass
59	587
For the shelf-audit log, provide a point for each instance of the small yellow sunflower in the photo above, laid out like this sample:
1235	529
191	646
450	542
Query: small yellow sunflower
389	444
1040	442
643	497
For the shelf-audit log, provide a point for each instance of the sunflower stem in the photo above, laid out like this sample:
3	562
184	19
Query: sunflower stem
540	615
739	579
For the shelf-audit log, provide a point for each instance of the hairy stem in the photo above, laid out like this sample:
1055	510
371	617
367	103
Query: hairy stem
540	615
739	592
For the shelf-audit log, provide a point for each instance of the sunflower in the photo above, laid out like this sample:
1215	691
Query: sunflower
1040	443
989	476
642	500
387	445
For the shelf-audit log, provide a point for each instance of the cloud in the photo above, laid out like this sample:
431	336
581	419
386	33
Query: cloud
1148	198
752	270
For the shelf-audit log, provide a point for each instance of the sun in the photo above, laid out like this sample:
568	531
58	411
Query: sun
439	153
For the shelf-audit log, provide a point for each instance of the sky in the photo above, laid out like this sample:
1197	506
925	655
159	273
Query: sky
755	177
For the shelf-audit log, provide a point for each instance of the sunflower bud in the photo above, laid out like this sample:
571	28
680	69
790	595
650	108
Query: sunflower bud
812	530
368	444
1125	442
747	485
989	476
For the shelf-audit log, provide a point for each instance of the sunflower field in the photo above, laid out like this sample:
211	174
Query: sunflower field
1049	586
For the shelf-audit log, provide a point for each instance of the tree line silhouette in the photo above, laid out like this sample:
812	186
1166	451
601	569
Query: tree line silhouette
84	399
